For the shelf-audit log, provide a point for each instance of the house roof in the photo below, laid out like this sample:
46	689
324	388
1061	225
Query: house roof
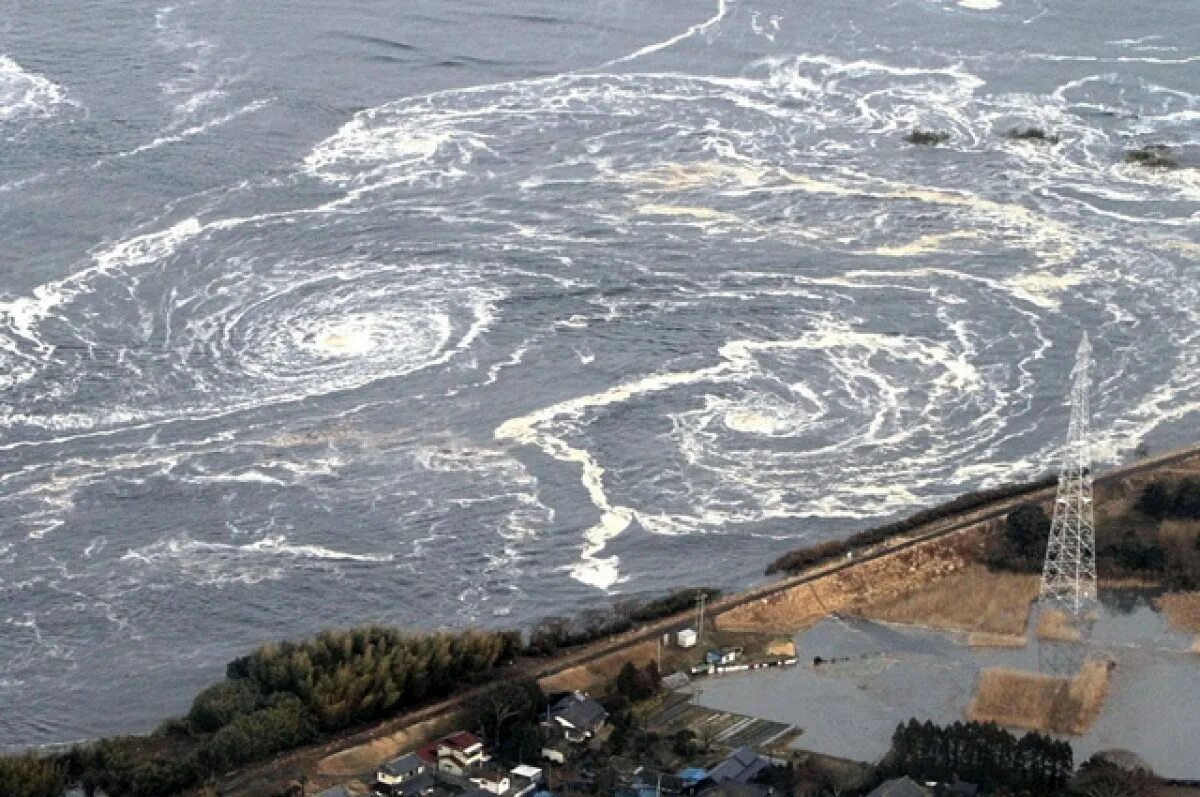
734	789
579	711
336	791
527	772
901	787
740	766
421	784
403	766
461	741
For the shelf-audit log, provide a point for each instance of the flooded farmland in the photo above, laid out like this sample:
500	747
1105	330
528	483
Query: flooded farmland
857	679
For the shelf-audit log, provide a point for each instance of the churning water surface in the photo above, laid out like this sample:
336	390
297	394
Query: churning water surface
439	312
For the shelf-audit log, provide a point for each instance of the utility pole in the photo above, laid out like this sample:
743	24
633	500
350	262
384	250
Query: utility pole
700	618
1069	572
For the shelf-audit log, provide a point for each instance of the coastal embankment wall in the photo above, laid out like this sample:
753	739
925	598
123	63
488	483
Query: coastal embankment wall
911	561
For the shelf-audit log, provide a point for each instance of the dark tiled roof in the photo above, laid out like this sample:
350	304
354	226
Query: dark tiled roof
901	787
460	741
581	712
403	766
419	785
733	789
741	767
336	791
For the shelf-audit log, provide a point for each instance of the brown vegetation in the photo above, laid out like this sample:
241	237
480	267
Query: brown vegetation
781	647
801	559
370	756
1041	702
1182	610
972	599
1056	625
599	671
867	583
980	640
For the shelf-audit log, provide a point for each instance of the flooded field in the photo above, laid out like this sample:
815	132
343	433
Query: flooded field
858	679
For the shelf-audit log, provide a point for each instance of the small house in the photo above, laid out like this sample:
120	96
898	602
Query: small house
900	787
686	638
459	752
732	789
404	775
493	781
741	766
525	779
336	791
722	656
577	717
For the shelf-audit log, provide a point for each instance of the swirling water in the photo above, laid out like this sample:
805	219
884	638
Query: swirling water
437	313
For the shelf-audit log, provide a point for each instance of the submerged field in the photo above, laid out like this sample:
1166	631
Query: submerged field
874	676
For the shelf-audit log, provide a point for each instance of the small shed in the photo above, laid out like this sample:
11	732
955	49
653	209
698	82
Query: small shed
723	656
686	638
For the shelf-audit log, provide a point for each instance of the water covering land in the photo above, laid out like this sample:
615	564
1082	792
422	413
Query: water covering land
437	313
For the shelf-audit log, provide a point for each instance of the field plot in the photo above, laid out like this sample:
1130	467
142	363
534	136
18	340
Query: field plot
973	599
1131	682
720	728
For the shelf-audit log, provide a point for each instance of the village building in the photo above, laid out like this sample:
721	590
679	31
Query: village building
407	775
741	766
577	718
459	752
901	787
722	656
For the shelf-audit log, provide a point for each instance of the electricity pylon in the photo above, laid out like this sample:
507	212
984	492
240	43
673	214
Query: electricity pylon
1069	574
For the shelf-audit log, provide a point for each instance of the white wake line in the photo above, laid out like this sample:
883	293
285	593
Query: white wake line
737	359
702	27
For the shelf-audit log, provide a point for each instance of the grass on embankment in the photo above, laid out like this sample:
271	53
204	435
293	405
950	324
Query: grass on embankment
973	600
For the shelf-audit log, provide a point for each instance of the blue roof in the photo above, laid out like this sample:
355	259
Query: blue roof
692	773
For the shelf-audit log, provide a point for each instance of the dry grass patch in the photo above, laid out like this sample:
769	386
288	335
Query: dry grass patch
973	599
1056	625
603	670
781	647
370	756
1182	610
1041	702
981	640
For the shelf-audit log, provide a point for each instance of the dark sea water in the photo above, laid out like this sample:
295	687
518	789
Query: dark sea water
440	312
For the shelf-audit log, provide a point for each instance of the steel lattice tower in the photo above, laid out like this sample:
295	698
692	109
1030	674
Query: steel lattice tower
1069	574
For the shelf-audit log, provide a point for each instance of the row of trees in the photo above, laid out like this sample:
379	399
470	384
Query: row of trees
282	696
1130	546
1164	501
31	776
980	753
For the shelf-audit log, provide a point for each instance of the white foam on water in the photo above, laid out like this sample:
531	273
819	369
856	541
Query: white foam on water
218	564
550	429
700	29
980	5
25	94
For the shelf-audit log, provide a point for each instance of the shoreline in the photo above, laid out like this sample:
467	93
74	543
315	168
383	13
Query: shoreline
308	759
